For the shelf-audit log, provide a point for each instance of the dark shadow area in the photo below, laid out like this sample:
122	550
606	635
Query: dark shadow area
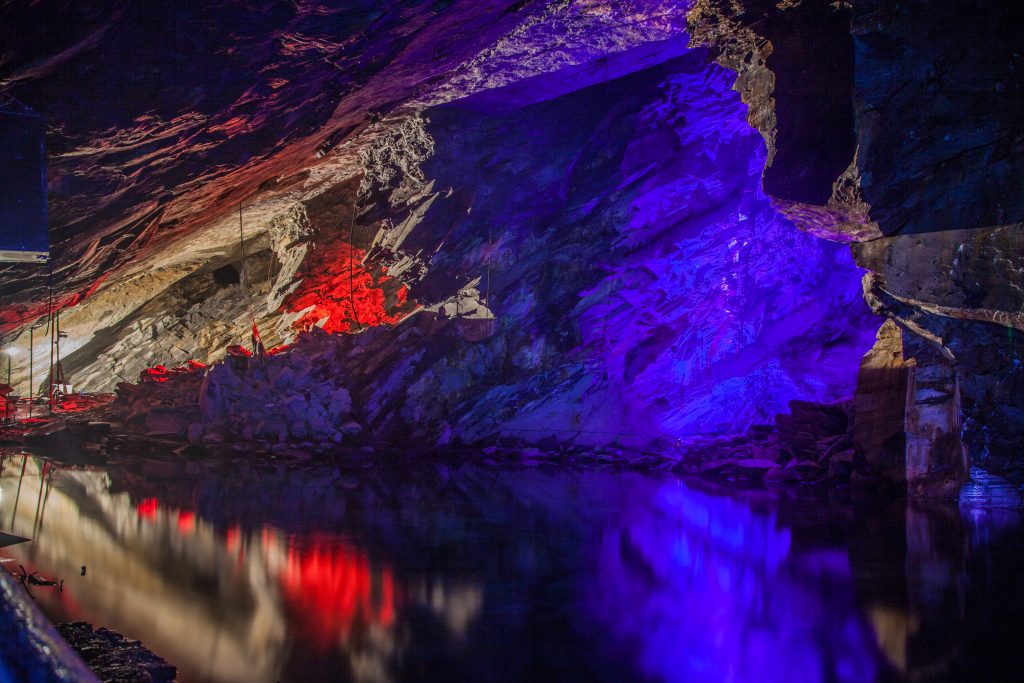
812	59
225	276
940	93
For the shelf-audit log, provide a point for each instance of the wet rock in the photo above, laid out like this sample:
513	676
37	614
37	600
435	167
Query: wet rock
810	428
213	437
195	433
755	467
114	658
165	421
62	442
809	472
929	198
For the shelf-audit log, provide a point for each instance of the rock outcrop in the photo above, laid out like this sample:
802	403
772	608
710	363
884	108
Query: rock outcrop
880	421
928	194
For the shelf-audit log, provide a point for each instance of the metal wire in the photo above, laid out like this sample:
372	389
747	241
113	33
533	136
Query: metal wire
351	258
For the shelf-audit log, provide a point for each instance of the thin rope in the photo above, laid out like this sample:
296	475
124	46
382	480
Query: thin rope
59	368
351	258
245	278
490	250
49	331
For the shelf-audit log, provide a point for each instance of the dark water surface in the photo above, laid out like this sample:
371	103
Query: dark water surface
264	572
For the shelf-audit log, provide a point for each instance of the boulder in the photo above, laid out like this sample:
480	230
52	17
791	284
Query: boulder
166	421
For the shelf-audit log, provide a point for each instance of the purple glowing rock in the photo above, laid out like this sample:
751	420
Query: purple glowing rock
643	285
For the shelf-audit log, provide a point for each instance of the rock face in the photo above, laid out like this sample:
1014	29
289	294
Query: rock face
592	273
929	194
593	243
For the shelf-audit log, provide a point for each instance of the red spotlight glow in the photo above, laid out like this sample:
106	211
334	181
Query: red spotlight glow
337	286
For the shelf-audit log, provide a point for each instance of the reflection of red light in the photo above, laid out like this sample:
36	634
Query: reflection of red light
147	508
387	599
338	286
333	588
186	521
266	538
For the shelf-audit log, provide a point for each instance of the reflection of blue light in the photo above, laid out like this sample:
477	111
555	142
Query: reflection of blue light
741	531
702	588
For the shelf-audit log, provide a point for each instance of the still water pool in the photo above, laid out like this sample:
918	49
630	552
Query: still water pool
258	571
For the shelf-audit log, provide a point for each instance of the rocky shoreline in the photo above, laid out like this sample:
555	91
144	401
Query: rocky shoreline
114	658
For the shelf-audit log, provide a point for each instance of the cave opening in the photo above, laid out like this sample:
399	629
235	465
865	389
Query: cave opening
226	276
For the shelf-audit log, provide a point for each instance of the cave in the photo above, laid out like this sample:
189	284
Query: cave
547	340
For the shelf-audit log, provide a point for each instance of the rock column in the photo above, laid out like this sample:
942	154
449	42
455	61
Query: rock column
907	415
879	406
936	462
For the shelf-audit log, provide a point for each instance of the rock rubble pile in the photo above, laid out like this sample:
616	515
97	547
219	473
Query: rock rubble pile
293	396
115	658
296	398
811	444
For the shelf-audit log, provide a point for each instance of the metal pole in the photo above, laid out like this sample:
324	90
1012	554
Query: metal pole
49	389
14	510
39	499
60	373
31	367
7	398
49	487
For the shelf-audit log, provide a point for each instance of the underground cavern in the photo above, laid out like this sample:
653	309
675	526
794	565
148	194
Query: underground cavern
498	340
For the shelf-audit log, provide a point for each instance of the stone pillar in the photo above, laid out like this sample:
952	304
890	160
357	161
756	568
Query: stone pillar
906	415
936	461
879	406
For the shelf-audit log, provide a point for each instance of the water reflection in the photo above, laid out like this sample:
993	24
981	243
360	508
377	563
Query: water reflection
702	588
145	574
226	605
259	572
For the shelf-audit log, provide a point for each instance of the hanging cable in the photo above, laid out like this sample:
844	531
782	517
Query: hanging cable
57	366
31	367
351	258
49	329
490	250
257	343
